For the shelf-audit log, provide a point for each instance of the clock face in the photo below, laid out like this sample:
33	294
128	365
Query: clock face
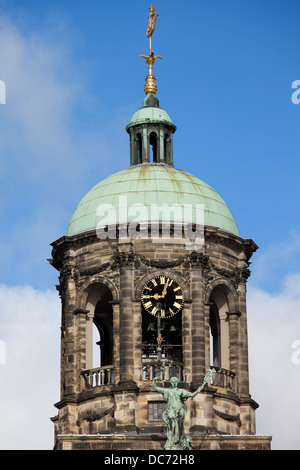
162	295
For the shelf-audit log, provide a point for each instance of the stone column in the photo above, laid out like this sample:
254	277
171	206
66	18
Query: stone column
126	319
125	392
116	342
243	342
69	379
198	321
146	150
233	318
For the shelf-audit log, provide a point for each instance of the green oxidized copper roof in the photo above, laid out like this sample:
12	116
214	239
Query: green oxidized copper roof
150	114
148	185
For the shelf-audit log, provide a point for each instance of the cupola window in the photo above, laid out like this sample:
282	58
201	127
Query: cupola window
153	144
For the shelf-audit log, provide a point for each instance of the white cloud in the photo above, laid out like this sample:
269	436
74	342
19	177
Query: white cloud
29	379
274	325
47	100
47	161
277	260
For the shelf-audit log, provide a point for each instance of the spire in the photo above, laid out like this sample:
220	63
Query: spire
151	128
150	85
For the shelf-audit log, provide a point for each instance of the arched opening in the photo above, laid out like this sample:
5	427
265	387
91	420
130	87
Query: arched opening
215	337
139	148
99	334
103	320
169	330
166	148
153	144
219	328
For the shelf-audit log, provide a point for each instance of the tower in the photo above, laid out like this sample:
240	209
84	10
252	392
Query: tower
152	273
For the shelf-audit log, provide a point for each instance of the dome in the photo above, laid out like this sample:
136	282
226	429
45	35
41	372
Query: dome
148	115
149	185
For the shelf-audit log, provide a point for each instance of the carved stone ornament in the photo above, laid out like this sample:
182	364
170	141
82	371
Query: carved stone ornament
122	259
199	260
92	415
95	270
68	272
161	263
236	275
228	417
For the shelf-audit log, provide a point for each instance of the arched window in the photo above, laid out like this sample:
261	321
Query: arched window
99	334
170	330
166	148
219	328
104	324
215	336
139	148
153	144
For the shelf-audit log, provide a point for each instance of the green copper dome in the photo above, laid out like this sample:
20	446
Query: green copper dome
148	115
149	185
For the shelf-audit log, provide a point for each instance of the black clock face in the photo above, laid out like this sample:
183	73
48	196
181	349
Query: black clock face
163	296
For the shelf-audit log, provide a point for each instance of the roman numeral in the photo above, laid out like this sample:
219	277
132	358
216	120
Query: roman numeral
148	304
162	279
176	289
179	297
154	282
176	305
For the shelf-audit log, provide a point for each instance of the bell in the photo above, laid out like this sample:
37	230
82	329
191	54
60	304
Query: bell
151	327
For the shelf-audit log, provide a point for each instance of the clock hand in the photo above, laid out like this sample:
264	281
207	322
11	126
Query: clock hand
165	289
157	296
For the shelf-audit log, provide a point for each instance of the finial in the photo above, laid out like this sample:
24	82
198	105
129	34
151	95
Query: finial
150	85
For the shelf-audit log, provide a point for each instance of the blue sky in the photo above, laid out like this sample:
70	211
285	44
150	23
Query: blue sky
73	80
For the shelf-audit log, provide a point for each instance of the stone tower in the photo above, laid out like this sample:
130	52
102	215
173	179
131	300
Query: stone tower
152	271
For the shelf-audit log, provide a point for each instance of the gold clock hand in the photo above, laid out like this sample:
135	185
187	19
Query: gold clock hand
157	296
165	288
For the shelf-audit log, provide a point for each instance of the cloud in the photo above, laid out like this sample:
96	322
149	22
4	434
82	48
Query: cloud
39	99
50	146
277	260
48	120
274	328
29	379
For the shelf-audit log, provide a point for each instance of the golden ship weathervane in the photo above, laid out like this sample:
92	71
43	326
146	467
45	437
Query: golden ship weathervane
150	85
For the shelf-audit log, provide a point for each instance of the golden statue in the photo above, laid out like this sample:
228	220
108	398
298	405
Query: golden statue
151	22
150	85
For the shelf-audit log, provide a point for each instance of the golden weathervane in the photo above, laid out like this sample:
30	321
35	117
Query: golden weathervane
150	85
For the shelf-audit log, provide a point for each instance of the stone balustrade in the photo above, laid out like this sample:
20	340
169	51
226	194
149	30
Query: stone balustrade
224	378
151	369
97	377
100	376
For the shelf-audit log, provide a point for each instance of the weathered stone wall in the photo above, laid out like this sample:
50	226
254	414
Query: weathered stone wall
84	262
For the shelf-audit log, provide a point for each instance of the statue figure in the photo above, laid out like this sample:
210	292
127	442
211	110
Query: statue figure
150	85
152	21
176	411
